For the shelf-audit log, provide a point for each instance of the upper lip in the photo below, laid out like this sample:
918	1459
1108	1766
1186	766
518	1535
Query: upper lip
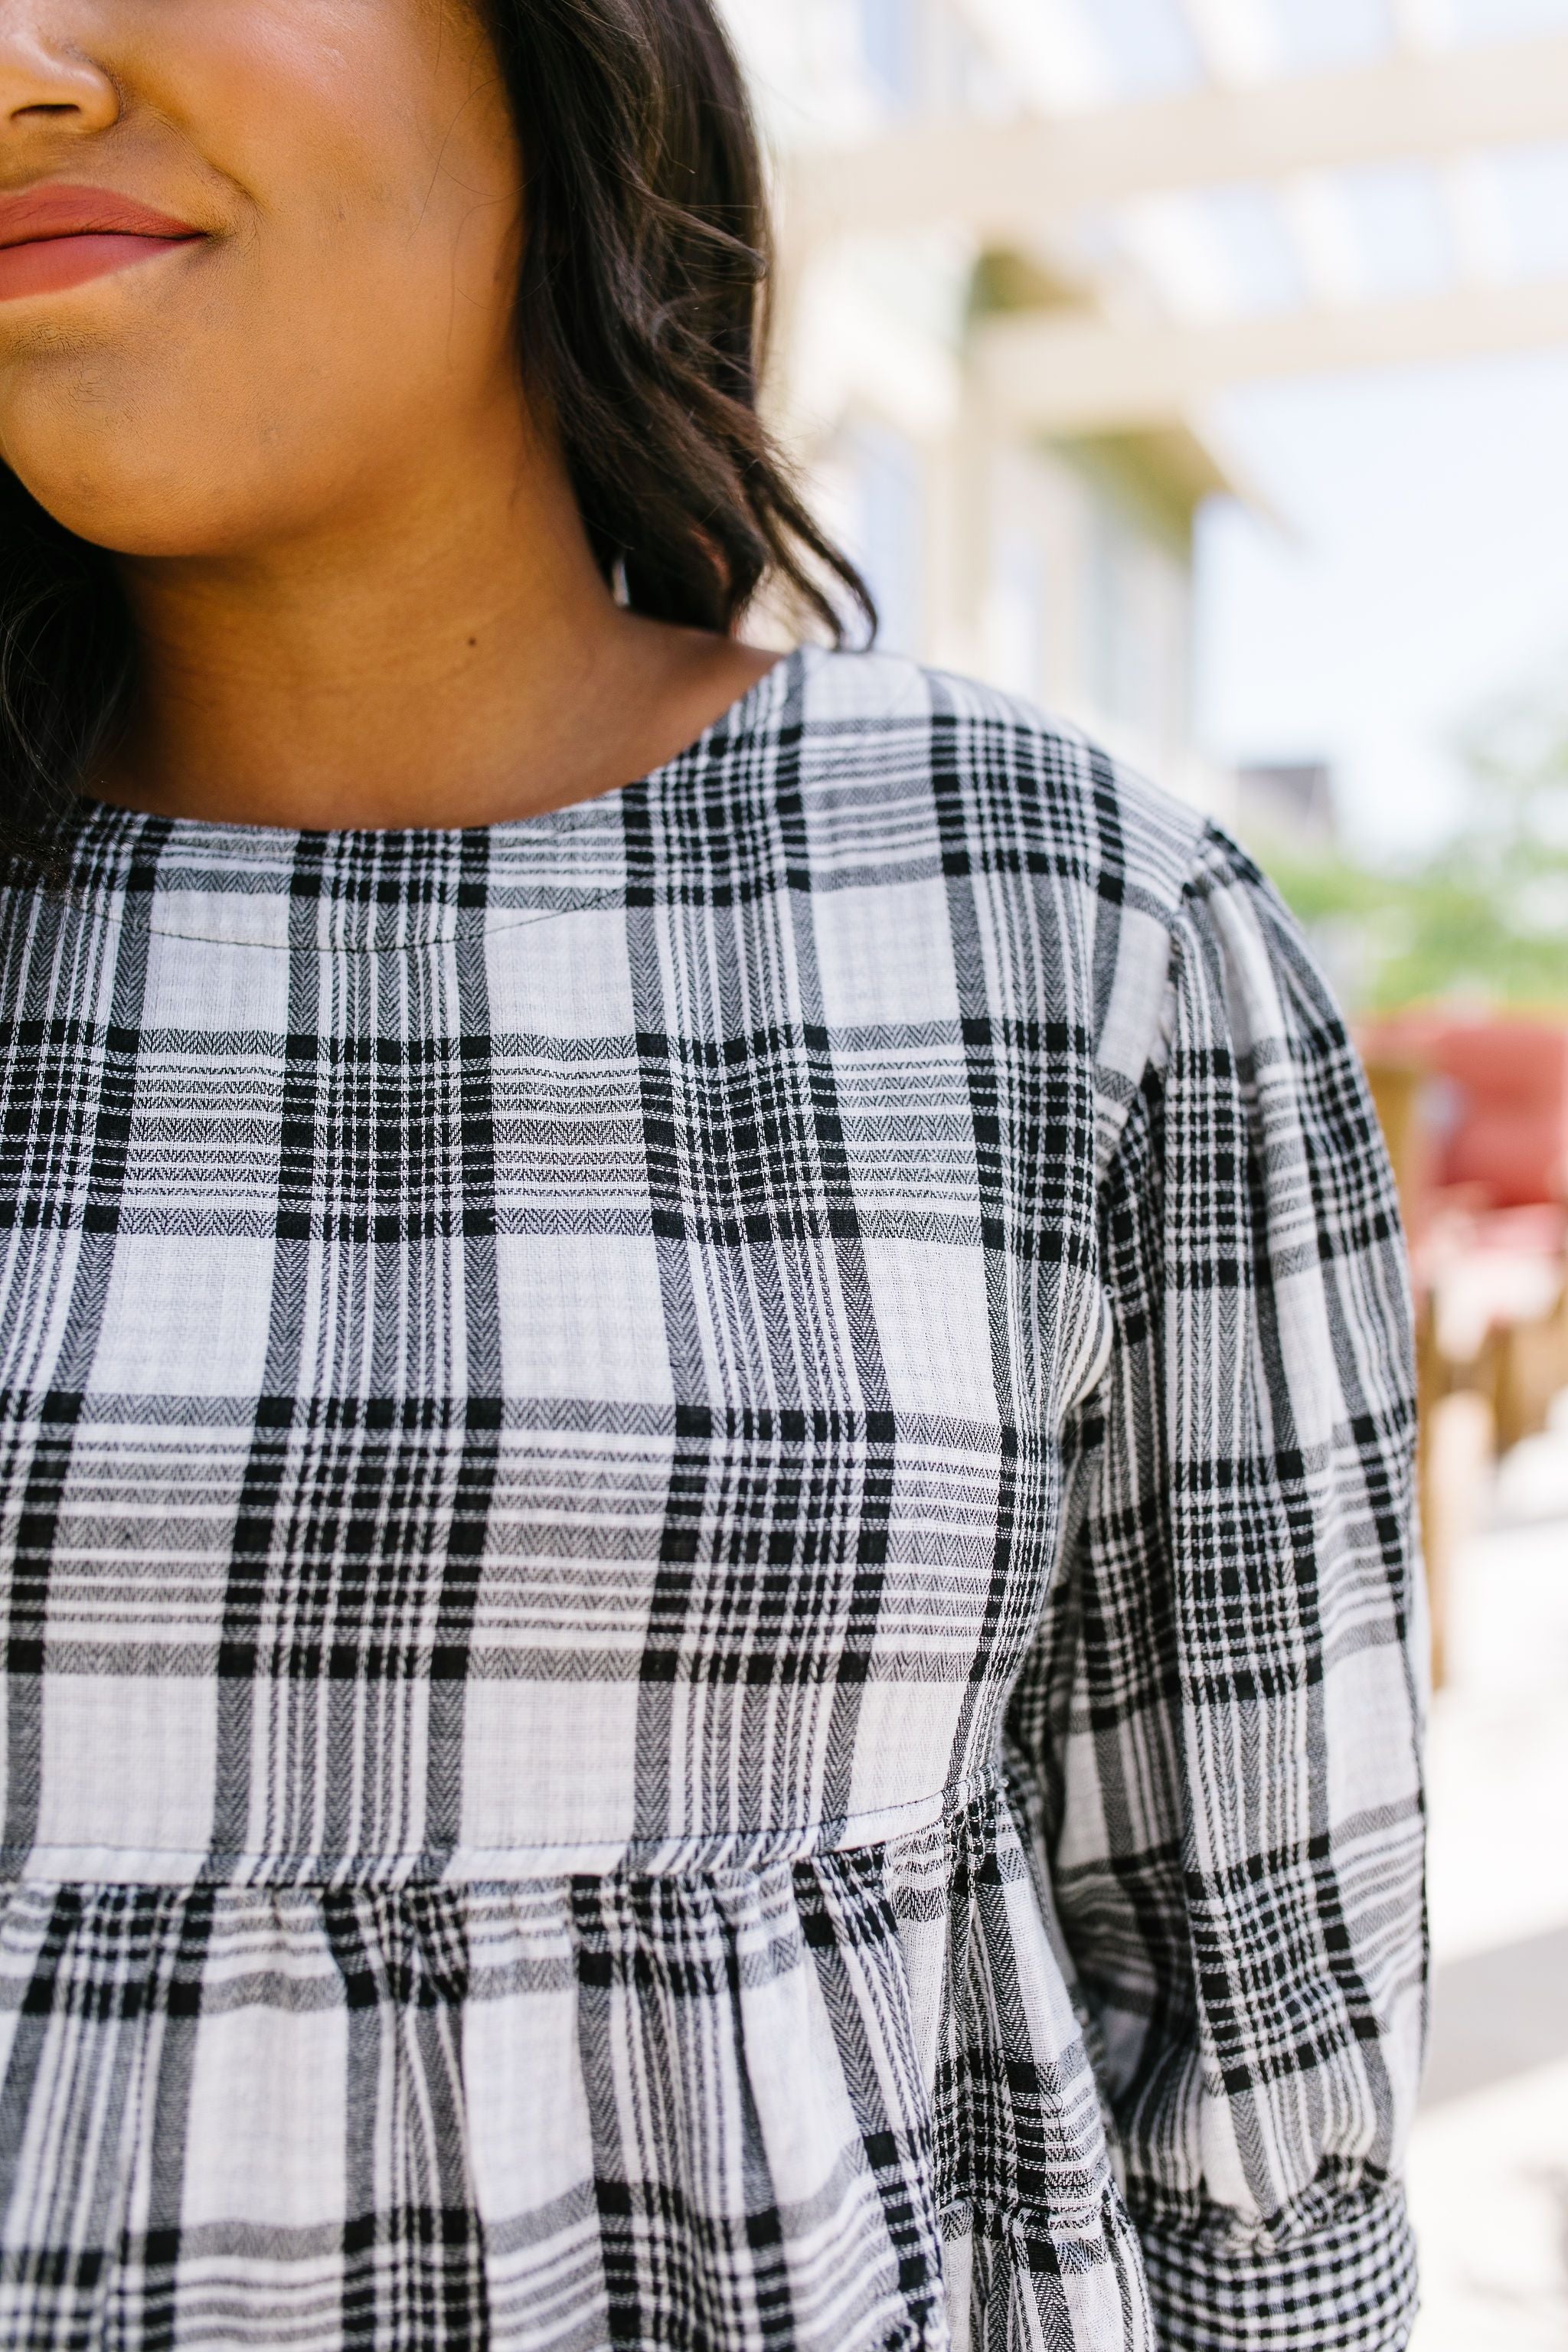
57	211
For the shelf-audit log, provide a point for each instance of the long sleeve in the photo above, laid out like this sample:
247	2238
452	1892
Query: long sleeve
1223	1720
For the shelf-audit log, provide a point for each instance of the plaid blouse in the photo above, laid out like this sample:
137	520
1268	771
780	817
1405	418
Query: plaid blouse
709	1626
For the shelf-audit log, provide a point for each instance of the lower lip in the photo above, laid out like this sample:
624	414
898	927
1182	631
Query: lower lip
50	265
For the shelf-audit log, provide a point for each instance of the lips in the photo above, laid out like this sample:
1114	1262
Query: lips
52	236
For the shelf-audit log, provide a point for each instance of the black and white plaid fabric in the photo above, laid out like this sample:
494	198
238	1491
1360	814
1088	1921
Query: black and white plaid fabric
709	1614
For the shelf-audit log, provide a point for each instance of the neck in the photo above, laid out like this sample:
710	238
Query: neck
444	654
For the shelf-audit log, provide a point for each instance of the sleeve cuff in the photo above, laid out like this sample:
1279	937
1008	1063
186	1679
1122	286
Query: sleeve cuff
1349	2287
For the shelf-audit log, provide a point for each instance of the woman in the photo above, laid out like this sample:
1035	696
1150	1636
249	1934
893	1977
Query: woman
709	1628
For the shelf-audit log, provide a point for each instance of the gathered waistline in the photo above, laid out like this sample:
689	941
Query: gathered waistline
713	1854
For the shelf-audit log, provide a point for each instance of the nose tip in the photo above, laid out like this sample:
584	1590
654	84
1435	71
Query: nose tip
45	87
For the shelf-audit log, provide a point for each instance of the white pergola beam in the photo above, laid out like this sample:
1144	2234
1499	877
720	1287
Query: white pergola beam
1006	180
1320	222
1423	24
1046	49
1234	39
1478	221
1055	375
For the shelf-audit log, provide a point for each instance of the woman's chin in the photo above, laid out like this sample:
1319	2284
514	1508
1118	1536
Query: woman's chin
122	522
164	502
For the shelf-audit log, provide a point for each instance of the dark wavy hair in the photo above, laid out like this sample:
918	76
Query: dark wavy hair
641	322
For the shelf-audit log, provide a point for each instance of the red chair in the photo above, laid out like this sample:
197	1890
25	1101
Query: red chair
1497	1102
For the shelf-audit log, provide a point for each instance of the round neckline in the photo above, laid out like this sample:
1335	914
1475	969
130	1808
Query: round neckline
375	891
104	818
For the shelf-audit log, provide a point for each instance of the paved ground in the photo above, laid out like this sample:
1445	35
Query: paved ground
1489	2162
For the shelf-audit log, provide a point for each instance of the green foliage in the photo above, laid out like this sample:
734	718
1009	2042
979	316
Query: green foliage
1484	920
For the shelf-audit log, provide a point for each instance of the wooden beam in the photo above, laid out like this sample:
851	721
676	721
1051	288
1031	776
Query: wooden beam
1052	374
1005	181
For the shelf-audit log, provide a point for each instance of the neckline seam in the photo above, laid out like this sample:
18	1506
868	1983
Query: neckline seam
280	843
468	923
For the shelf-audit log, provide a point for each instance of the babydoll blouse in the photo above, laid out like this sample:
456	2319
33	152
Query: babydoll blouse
709	1629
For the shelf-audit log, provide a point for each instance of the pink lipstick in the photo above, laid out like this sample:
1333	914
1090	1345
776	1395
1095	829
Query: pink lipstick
52	236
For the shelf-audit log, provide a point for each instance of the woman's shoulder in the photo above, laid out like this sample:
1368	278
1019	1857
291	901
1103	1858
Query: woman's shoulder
885	740
1078	883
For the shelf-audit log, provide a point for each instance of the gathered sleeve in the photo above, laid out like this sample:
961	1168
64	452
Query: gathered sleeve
1222	1723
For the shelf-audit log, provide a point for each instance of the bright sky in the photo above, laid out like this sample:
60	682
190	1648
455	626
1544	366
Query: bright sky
1421	572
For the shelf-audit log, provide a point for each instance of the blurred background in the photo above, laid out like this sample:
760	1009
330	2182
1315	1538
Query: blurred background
1199	368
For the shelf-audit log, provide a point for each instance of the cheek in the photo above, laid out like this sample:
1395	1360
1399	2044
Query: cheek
359	161
381	119
311	134
362	151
